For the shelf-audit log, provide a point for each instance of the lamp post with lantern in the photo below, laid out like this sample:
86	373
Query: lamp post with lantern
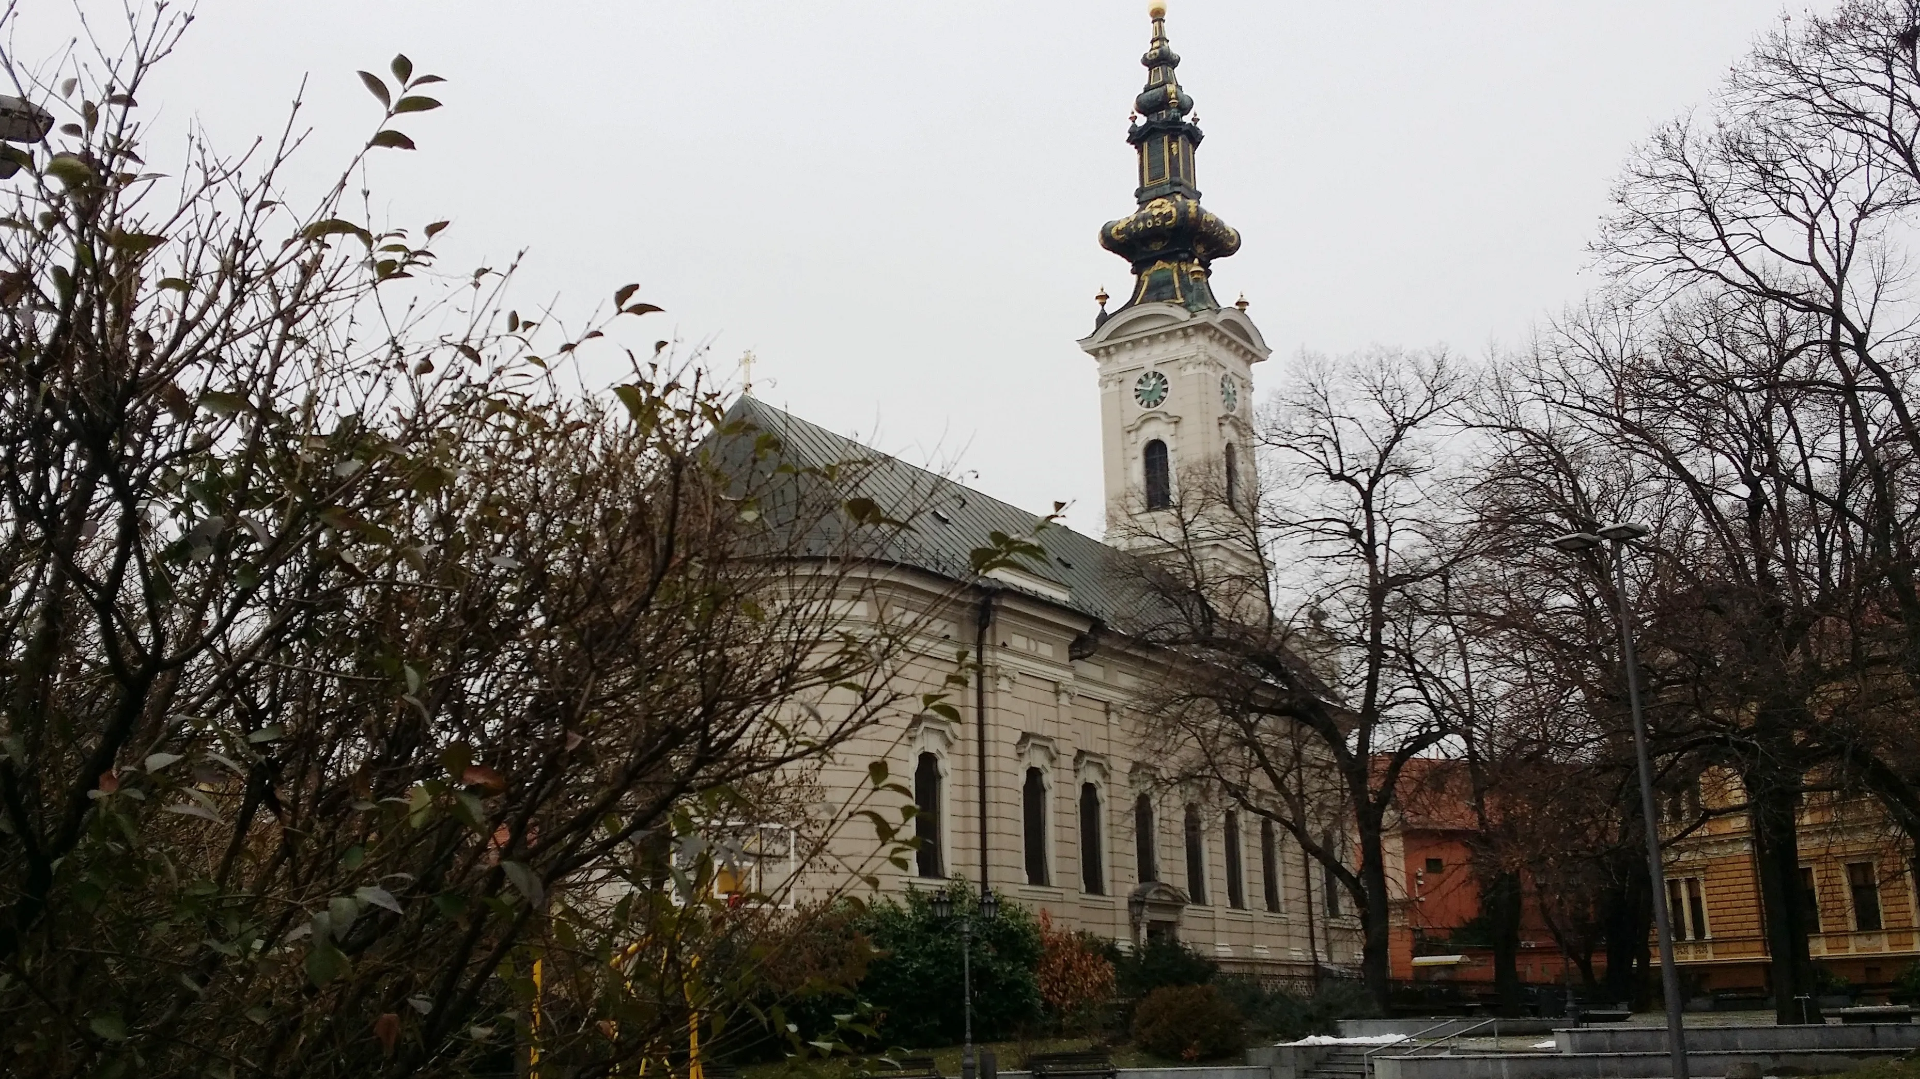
1617	536
943	909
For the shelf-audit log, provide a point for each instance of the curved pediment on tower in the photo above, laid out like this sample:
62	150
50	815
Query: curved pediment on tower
1138	319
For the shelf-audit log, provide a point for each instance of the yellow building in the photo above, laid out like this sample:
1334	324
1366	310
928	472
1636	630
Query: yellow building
1854	862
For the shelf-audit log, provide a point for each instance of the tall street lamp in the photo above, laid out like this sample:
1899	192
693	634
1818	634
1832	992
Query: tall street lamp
943	910
1616	537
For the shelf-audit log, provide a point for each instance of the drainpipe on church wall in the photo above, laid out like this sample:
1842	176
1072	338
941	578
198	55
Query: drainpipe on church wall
985	622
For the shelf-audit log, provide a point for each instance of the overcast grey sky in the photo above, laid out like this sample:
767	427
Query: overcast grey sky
894	204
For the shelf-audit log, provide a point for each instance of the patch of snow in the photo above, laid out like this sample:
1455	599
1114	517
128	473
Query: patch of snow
1548	1044
1368	1039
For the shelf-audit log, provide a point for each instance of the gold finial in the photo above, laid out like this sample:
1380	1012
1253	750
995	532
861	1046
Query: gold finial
1156	10
747	360
1241	303
1101	297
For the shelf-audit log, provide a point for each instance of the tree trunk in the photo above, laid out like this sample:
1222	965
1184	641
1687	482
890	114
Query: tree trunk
1500	898
1776	848
1629	918
1374	968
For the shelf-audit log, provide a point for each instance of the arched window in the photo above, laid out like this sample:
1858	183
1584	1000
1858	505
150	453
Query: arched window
1159	476
1093	877
1236	887
1033	799
1270	865
926	824
1196	858
1233	477
1143	828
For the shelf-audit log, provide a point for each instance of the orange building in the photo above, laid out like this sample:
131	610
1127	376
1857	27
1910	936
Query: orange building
1854	862
1436	933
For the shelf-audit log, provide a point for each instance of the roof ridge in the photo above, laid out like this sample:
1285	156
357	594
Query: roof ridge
756	404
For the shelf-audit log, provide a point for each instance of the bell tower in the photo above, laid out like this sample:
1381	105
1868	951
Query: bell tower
1175	367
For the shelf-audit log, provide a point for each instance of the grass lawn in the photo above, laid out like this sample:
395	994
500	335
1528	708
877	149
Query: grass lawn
1010	1056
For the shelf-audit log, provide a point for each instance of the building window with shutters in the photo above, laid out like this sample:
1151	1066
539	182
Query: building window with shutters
930	859
1145	825
1270	865
1810	890
1864	887
1093	876
1236	885
1033	800
1196	858
1331	878
1159	475
1687	908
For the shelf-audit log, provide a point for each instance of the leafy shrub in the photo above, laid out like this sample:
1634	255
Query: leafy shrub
1162	962
914	980
1274	1014
1188	1022
1076	978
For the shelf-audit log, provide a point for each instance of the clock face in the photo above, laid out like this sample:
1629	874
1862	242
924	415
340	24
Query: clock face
1229	393
1151	389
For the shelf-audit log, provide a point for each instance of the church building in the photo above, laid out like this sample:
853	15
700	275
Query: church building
1042	779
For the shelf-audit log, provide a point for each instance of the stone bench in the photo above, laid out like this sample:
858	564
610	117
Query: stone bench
1875	1013
1071	1066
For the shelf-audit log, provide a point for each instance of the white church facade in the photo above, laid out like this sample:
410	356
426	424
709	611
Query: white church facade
1044	780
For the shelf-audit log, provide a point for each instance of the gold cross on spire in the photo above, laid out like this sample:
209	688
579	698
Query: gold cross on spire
747	360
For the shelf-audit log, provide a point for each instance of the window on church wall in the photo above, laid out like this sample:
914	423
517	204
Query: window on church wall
1156	160
1236	886
1196	858
1093	877
1270	865
1144	826
1159	475
929	859
1033	798
1687	908
1233	477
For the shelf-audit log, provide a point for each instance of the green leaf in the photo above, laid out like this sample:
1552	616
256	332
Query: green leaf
377	897
524	881
378	88
641	309
434	229
334	226
134	243
402	67
175	283
272	732
630	397
326	962
391	139
624	294
415	104
877	772
109	1026
70	171
157	761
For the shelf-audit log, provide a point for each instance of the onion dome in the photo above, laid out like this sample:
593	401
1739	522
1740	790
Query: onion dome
1170	240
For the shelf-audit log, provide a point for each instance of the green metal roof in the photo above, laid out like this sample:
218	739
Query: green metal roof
946	521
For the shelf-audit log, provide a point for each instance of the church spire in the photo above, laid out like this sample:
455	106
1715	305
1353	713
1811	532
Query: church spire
1170	240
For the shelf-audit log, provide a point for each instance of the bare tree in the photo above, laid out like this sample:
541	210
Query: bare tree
356	664
1301	706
